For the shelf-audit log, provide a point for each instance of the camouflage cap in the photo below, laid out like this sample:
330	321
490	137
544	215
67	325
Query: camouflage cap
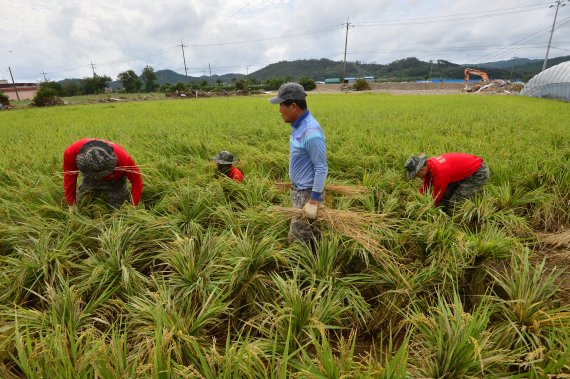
225	157
96	159
414	164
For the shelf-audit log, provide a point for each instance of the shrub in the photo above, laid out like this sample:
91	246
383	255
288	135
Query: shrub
46	96
307	83
4	100
361	85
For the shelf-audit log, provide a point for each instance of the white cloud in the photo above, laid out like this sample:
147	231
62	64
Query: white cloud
62	39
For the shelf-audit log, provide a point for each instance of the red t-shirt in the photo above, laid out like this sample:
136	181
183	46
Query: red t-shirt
448	168
235	174
71	172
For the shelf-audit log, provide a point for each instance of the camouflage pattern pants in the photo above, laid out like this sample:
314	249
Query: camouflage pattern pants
464	189
301	229
116	192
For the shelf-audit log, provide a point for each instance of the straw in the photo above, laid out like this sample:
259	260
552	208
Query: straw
347	190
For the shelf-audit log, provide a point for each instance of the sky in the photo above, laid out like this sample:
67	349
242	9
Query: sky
54	39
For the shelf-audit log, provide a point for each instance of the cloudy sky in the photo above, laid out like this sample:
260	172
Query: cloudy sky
62	39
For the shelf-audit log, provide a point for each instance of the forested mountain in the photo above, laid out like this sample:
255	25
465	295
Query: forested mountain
407	69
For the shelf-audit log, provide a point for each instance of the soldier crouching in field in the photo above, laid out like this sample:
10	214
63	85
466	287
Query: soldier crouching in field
105	167
452	177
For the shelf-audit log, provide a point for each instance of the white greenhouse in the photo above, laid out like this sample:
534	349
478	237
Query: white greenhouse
552	83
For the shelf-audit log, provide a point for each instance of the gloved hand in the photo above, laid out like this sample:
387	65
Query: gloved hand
73	208
310	209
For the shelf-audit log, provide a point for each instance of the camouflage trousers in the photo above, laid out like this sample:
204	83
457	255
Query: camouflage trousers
464	189
116	192
301	229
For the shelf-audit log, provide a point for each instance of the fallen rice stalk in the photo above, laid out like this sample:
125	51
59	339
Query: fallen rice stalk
356	225
346	190
556	239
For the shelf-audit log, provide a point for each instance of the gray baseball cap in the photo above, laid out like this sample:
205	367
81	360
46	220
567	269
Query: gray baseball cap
96	159
289	91
414	164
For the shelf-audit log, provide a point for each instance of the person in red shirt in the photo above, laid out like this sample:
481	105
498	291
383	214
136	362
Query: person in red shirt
225	161
451	176
105	167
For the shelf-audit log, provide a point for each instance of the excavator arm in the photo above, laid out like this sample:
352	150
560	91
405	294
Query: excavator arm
472	71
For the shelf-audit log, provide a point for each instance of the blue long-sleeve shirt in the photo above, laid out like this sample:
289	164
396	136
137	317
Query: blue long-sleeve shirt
307	155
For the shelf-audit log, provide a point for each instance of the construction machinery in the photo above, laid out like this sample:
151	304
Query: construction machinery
472	71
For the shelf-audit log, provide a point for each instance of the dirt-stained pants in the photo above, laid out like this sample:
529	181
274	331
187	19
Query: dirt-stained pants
302	229
464	189
116	192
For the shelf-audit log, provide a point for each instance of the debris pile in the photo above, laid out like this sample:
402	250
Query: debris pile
494	86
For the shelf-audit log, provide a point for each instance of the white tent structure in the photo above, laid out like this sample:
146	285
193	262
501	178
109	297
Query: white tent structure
552	83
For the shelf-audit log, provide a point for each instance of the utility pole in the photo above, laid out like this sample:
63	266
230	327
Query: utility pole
246	70
513	66
345	44
210	69
93	68
44	74
558	3
14	83
183	57
430	69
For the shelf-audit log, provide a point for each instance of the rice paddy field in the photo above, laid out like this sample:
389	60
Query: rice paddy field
198	280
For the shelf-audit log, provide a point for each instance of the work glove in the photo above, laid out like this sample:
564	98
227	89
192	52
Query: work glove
310	210
73	208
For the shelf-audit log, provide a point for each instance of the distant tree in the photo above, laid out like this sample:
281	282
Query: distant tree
274	83
240	85
56	87
307	83
131	82
180	87
96	84
219	82
70	89
204	83
149	77
166	88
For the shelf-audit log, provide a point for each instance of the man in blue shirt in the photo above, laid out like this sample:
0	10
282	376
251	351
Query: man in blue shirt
307	161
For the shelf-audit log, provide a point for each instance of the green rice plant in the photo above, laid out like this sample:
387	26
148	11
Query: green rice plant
190	211
248	264
164	326
300	309
112	357
527	307
191	266
56	354
552	360
240	357
336	264
63	312
447	342
325	362
33	268
491	242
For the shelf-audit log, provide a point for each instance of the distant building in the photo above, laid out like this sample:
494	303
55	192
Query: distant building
369	79
26	91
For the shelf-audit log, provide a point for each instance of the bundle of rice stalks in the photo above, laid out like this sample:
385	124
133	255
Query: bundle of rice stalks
360	226
346	190
556	239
